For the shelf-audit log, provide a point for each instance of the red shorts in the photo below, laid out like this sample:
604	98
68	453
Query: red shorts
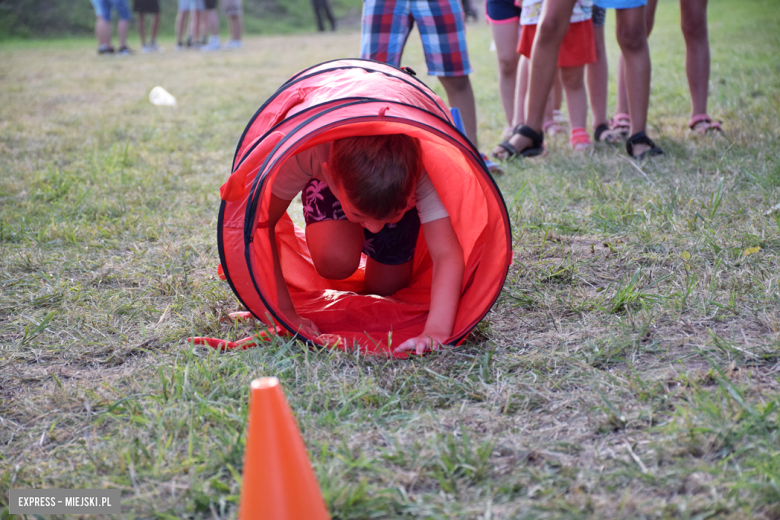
578	47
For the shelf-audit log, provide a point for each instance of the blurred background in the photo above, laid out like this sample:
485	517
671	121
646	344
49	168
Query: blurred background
59	18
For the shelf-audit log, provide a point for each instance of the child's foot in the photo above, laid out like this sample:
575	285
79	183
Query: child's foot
640	147
525	141
492	167
552	127
604	134
124	50
105	49
703	124
621	123
233	44
579	140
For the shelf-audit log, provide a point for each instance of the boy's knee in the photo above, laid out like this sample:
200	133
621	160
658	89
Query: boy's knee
455	84
335	265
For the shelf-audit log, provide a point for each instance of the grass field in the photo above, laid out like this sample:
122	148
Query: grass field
630	369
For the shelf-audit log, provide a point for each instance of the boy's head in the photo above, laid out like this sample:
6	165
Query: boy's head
378	174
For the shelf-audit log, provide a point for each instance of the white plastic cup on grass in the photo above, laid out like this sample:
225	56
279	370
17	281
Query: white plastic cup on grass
161	97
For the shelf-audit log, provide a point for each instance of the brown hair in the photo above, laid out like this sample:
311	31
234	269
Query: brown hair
378	173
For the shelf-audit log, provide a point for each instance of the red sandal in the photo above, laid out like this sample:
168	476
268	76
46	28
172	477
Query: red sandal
580	140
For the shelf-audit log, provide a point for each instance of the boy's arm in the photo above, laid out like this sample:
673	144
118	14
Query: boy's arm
276	209
447	257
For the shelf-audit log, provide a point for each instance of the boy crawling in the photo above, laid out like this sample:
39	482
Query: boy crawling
371	194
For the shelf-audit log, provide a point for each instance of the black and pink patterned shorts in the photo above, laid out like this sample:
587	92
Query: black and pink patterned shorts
393	245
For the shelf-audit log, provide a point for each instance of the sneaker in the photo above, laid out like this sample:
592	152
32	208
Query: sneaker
153	47
233	44
212	45
105	49
125	51
146	49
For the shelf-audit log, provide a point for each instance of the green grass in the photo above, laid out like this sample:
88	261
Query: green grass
630	369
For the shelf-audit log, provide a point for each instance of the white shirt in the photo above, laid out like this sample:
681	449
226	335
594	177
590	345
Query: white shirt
304	166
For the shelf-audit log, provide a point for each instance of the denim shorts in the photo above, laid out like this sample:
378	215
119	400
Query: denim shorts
393	245
619	4
120	6
599	16
192	5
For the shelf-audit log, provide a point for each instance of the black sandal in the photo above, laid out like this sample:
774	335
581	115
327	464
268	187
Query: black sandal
641	138
604	134
536	148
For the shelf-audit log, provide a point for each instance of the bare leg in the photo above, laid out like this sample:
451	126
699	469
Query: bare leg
598	78
573	80
697	52
141	29
505	35
235	27
181	23
121	29
632	38
544	65
335	263
155	25
622	95
557	93
461	95
385	280
195	26
521	92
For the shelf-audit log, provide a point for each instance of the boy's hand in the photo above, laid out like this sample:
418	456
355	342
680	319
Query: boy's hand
422	343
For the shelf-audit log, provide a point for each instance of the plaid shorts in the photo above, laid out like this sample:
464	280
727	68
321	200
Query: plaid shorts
393	245
387	23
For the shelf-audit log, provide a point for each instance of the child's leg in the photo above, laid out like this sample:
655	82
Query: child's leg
632	38
543	66
460	94
155	25
505	35
335	247
384	280
622	95
521	90
181	23
697	52
576	97
141	29
598	77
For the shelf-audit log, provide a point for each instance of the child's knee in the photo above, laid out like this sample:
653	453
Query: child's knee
335	264
631	40
573	78
694	29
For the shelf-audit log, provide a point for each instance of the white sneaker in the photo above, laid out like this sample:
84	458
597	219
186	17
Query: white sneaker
146	49
153	47
212	45
233	44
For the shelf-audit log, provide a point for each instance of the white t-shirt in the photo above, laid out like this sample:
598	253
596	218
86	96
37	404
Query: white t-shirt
532	11
304	166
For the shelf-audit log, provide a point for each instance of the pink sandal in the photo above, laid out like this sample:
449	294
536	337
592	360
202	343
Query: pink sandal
580	140
703	124
621	124
551	128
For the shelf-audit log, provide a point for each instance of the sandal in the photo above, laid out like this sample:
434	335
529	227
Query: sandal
536	148
579	140
621	123
604	134
641	138
703	124
552	127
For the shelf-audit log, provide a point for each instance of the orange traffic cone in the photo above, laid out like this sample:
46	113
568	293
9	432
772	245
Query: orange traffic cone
279	483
